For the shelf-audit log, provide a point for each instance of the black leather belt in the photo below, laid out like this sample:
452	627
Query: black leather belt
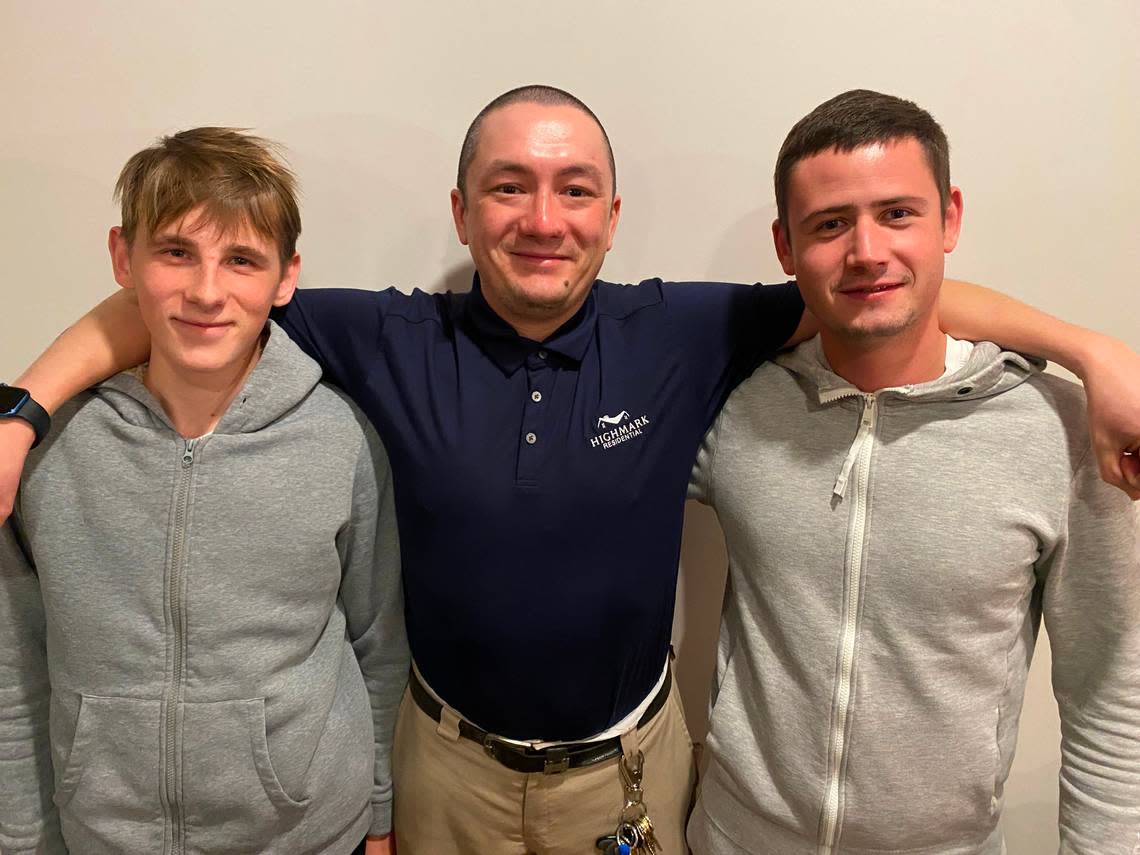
522	758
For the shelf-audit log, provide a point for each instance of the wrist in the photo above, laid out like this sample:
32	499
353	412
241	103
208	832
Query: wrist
17	433
41	391
18	405
1088	350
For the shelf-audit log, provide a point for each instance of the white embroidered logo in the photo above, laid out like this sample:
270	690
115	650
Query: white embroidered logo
615	430
623	416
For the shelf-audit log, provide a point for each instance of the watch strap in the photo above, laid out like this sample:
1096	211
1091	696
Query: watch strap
31	412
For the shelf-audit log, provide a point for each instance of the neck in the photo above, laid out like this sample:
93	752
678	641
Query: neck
538	330
916	355
535	322
195	401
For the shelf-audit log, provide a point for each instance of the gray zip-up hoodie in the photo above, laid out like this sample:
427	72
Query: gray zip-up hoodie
890	557
189	622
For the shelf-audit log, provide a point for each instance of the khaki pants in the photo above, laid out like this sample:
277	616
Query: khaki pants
452	799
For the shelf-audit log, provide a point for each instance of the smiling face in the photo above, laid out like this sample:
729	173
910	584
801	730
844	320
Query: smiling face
538	213
204	294
866	239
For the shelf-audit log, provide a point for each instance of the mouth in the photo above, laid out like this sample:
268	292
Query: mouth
205	327
540	259
870	292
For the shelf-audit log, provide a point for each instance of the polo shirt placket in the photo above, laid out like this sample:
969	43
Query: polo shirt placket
534	440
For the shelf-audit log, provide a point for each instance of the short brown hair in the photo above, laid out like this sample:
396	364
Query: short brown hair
240	179
534	93
859	118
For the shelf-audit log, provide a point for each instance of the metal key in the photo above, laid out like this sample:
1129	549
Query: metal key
648	840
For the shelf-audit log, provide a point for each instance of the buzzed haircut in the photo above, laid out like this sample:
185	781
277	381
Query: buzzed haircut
237	178
534	93
860	118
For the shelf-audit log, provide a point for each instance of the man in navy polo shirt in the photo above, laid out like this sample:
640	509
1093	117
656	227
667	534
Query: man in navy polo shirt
541	430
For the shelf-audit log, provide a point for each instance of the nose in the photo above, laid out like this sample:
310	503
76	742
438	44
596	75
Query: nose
204	290
543	218
868	246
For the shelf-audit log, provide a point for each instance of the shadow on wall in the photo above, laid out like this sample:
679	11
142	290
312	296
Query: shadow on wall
696	621
1031	827
457	278
353	181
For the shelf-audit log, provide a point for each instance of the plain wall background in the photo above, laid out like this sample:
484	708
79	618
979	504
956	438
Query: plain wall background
1039	99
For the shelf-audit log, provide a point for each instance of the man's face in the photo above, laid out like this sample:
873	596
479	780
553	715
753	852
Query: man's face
866	239
204	294
539	212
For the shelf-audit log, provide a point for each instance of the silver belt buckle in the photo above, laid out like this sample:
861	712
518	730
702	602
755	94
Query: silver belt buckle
556	760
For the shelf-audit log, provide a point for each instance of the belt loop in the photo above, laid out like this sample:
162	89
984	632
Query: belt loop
448	724
630	743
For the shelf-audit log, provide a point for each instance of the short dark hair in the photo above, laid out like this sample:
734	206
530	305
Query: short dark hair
534	93
240	179
859	118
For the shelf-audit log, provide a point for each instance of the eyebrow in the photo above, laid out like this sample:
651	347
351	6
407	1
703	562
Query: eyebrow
917	202
181	242
569	171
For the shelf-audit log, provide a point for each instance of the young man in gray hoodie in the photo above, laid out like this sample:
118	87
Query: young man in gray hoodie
901	510
201	633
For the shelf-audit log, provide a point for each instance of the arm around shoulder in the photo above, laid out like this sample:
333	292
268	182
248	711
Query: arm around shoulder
1109	368
106	340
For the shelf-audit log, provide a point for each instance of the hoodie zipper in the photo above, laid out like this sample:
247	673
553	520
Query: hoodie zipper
172	696
858	462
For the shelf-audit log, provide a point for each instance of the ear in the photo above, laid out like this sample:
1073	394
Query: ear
459	214
288	283
120	257
615	215
783	248
952	222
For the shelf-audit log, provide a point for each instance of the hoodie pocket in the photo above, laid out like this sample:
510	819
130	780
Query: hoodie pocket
233	797
108	792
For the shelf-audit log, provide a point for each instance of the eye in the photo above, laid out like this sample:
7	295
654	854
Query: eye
241	261
897	214
832	225
508	189
577	192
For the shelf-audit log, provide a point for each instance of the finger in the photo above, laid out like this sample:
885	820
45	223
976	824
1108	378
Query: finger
1130	473
1109	462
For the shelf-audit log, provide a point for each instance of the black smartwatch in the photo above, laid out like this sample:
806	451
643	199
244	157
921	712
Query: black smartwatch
17	403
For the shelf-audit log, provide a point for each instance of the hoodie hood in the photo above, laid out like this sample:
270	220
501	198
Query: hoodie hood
282	378
989	370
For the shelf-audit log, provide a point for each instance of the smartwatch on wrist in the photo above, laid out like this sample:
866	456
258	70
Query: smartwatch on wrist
17	403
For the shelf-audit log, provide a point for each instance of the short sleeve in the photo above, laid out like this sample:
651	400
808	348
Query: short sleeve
724	332
339	328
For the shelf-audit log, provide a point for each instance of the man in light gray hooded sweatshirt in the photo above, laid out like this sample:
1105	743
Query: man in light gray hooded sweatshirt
901	509
203	559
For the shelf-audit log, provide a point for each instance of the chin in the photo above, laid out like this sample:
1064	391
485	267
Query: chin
208	363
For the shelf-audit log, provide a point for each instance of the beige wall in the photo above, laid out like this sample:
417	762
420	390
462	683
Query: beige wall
1039	98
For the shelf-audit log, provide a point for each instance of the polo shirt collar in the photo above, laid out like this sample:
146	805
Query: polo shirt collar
507	349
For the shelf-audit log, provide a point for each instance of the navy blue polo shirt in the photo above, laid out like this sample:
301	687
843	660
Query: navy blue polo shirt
540	487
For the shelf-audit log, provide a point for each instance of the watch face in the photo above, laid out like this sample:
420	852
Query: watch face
11	398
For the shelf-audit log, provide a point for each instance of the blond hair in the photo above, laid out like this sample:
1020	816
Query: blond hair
237	178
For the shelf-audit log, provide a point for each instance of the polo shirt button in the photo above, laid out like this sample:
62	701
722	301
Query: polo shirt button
531	439
542	354
536	396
